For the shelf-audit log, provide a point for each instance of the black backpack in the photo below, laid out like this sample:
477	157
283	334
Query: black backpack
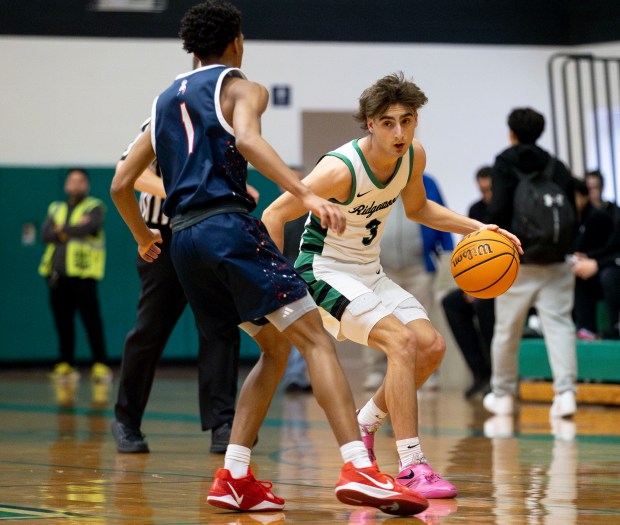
543	217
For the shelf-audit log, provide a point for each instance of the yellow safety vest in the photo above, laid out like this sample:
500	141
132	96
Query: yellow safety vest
85	256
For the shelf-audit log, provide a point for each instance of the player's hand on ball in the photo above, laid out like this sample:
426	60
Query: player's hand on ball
511	236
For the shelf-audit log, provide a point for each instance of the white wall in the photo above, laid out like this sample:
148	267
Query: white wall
79	101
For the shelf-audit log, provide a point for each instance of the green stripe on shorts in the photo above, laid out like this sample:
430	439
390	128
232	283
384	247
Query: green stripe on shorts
323	294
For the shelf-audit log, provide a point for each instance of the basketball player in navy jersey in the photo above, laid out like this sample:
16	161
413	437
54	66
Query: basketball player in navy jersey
204	130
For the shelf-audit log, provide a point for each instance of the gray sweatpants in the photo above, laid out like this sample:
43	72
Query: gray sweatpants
550	289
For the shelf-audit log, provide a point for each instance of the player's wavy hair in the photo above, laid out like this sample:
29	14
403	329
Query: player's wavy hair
208	28
391	89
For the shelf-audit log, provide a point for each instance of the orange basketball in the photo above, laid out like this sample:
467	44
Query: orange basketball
484	264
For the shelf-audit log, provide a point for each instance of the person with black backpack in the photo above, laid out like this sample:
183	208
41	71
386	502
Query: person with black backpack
533	196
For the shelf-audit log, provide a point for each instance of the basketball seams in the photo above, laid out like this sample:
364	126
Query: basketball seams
512	262
484	262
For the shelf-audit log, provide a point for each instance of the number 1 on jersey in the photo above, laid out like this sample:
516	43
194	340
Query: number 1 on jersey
189	128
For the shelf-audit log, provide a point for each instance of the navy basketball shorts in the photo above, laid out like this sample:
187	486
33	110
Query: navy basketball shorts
229	266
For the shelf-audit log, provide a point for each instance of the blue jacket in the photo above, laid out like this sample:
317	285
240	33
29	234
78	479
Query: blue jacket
435	241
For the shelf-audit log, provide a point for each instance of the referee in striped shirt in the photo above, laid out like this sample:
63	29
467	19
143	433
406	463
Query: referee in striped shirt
161	303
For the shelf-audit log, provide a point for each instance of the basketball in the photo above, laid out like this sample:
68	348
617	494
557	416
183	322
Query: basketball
484	264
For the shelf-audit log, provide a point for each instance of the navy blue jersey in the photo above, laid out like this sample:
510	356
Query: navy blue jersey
195	146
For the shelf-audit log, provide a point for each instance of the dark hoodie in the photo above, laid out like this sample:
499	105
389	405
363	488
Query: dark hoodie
526	158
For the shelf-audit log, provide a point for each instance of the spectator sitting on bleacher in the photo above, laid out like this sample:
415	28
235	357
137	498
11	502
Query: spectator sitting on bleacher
595	228
595	183
596	265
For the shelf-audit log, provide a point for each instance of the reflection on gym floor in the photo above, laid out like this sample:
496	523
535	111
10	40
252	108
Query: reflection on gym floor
59	464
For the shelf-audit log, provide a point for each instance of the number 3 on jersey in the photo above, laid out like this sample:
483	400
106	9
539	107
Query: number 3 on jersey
372	227
189	128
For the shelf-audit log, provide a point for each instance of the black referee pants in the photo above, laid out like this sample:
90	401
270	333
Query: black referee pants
160	306
69	295
472	326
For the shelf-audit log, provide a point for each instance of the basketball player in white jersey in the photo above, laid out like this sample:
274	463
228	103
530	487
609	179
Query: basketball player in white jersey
359	302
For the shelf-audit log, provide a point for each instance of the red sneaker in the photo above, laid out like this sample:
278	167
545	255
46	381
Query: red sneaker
245	494
372	488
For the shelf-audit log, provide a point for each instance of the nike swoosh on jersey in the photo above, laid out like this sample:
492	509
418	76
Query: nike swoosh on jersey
387	485
362	194
235	495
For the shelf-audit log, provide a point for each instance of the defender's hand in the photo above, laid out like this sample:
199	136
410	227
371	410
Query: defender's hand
330	214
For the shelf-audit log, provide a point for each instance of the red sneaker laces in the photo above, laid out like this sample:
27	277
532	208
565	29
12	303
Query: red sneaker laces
266	484
387	476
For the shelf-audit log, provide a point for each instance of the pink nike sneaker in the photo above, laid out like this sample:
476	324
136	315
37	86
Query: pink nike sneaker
424	480
368	487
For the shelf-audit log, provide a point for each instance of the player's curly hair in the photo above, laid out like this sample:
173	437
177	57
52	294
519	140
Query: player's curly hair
208	28
391	89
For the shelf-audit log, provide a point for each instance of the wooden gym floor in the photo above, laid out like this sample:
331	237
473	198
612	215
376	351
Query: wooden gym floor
59	466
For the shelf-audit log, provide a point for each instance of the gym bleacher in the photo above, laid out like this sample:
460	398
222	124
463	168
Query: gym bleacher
598	365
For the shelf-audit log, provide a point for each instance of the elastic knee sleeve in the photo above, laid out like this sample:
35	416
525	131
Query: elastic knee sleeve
410	310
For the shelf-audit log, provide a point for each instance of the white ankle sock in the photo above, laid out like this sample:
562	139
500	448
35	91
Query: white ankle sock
371	414
356	453
409	451
237	460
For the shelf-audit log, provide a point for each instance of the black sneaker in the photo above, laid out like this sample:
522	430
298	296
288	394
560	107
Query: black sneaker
128	440
220	436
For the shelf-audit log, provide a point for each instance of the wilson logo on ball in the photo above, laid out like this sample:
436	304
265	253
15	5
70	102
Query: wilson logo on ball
470	253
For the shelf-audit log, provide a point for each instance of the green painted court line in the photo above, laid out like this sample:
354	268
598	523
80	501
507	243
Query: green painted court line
151	416
13	512
283	423
108	470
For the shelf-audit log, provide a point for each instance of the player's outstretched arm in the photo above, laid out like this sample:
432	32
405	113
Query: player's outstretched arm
423	211
243	104
246	101
122	192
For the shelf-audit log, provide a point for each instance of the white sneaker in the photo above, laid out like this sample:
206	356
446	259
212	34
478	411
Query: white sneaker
499	405
564	404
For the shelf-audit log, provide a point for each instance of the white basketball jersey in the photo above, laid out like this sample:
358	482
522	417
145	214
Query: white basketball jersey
366	209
